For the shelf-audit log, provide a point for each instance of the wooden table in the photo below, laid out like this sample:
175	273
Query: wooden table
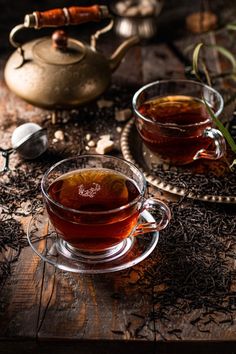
43	309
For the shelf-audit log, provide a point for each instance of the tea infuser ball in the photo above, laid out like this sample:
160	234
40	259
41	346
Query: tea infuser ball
29	140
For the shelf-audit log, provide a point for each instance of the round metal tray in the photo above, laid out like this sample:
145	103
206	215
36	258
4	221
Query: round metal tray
134	151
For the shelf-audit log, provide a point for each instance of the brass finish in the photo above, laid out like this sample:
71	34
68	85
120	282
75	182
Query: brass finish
60	72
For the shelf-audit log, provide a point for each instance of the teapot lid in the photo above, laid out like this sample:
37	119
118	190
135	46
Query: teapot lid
59	49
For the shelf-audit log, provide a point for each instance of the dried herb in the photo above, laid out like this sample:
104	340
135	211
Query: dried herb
194	268
12	239
18	188
196	183
226	53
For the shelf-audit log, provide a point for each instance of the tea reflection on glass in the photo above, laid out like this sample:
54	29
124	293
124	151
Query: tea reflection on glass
94	203
174	123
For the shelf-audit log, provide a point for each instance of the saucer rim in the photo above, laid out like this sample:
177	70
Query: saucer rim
152	244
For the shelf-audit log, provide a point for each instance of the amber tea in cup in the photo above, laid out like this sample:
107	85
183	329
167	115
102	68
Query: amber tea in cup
94	203
174	123
99	190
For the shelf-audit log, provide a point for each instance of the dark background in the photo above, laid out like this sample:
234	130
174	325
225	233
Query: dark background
170	21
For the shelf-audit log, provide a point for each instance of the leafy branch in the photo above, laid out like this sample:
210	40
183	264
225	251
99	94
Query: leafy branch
221	127
231	26
195	64
223	51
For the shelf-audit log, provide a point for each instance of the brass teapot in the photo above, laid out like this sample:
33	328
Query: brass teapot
61	72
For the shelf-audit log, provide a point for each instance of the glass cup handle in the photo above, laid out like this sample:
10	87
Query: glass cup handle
219	142
154	205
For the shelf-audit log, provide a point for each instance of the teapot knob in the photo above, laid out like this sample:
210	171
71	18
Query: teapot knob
59	40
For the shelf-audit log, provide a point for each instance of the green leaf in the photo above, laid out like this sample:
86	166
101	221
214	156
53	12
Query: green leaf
195	60
232	166
226	53
223	51
231	26
206	74
221	128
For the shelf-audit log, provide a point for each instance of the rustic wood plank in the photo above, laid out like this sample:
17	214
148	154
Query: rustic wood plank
43	308
159	63
98	307
107	347
20	297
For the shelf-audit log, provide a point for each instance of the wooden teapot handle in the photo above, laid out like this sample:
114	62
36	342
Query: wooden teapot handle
73	15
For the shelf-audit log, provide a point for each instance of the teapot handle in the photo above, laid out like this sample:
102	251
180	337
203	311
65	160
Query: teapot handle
73	15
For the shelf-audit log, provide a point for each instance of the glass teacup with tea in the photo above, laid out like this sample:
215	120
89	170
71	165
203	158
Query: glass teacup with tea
173	121
94	203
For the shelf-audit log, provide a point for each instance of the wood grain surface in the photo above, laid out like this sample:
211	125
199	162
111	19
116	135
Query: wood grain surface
43	309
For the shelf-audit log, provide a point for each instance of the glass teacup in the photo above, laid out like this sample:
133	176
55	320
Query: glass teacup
174	123
94	203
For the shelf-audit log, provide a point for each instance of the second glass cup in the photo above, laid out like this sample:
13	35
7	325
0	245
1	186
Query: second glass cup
173	121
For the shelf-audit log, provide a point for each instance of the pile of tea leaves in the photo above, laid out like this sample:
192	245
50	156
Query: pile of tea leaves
194	269
198	184
20	197
12	239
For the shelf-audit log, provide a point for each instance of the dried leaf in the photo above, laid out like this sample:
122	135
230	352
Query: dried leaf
221	127
195	60
233	164
231	26
227	54
223	51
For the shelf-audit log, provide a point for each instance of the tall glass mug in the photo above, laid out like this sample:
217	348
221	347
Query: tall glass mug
174	123
94	203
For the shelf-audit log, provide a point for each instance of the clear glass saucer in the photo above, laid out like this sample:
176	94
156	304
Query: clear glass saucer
49	247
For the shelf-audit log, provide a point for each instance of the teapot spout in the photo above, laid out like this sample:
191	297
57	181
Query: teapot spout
120	52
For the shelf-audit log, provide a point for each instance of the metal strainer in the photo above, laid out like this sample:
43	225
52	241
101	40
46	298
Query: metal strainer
29	140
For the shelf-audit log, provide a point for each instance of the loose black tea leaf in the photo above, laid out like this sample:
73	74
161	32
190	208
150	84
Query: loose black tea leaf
12	237
194	266
198	184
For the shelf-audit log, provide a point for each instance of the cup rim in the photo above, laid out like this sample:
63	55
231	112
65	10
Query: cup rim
110	211
192	82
